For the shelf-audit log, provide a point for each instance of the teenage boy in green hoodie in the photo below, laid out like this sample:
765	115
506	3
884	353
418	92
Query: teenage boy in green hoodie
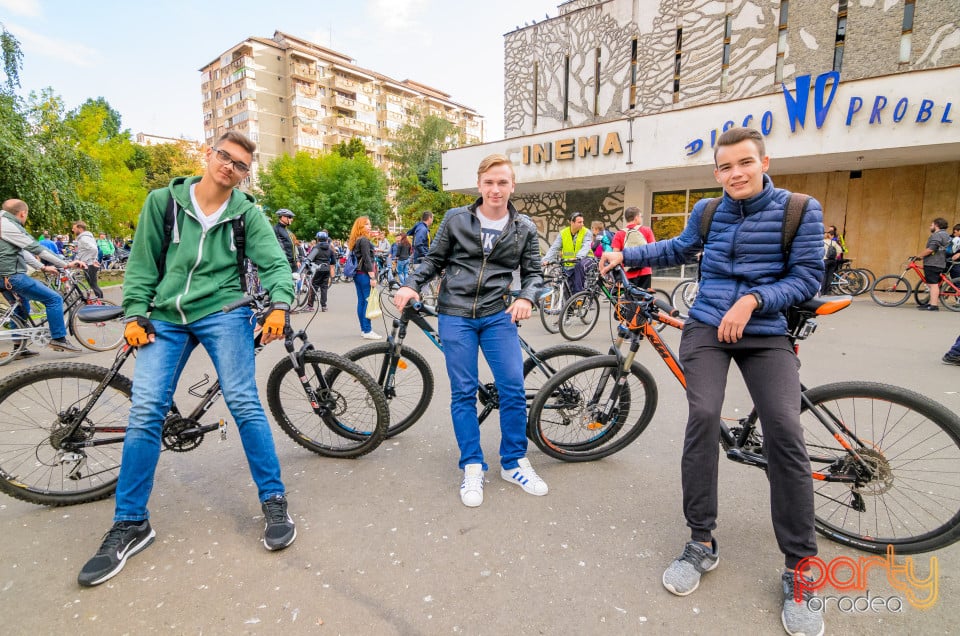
173	309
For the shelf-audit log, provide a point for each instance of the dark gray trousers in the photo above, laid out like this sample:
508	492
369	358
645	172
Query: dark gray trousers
770	371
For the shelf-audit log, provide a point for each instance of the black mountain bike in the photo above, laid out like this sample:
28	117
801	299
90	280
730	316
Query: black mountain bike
407	380
63	424
886	460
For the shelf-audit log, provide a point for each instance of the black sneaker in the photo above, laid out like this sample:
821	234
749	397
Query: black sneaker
279	530
28	353
929	307
121	542
61	344
946	359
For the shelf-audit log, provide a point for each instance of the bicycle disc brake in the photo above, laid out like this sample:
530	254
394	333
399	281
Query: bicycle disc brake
181	434
333	401
882	479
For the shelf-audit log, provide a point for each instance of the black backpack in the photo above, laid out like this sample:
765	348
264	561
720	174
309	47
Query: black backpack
239	241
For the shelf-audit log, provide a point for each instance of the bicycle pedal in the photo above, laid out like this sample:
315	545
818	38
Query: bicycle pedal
222	427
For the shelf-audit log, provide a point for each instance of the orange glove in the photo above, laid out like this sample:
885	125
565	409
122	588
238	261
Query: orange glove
138	331
277	321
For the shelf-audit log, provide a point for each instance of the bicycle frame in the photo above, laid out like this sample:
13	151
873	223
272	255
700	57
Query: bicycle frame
736	441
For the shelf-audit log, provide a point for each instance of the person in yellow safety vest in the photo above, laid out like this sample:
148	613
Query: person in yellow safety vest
573	242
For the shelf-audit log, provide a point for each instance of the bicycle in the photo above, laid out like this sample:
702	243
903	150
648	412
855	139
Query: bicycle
556	291
16	334
407	380
893	290
63	423
428	295
684	294
582	310
886	460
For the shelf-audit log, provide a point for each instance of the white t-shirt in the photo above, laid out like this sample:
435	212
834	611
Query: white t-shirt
490	229
207	221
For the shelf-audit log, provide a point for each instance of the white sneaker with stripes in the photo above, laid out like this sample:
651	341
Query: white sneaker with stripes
526	477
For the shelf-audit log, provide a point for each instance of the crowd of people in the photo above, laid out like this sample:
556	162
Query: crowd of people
738	316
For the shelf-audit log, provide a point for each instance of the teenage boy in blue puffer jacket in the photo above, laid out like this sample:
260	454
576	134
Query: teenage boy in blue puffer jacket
747	281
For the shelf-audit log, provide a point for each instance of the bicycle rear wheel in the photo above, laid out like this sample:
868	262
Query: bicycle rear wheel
891	291
545	364
550	307
949	297
97	336
579	315
411	384
43	460
911	443
567	418
351	415
10	345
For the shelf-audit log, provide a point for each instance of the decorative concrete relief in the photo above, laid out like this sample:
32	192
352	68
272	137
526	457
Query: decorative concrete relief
550	211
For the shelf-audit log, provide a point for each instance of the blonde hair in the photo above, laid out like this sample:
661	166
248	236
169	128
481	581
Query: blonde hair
596	226
492	161
359	229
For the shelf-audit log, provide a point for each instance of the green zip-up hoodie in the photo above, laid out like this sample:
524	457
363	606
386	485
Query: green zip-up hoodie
201	267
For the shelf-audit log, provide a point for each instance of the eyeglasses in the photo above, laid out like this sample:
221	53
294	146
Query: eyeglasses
238	166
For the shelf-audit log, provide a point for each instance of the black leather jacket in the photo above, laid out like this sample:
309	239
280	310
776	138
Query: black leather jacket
475	285
286	243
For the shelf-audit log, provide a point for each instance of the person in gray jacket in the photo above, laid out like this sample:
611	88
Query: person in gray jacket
87	252
479	247
16	246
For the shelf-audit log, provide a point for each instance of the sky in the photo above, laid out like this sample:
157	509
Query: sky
143	57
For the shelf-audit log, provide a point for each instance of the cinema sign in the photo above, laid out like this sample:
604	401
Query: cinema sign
572	148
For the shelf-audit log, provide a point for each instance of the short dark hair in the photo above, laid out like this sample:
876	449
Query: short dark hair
426	215
956	227
941	223
573	217
631	213
80	224
736	135
238	138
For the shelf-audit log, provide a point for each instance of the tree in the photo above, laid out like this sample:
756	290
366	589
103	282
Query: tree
328	192
12	60
352	148
161	163
417	172
118	192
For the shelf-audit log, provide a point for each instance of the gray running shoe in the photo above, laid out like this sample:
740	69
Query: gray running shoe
683	575
797	617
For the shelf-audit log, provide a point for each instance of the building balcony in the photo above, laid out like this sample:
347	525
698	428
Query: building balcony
345	83
301	101
344	102
305	90
303	71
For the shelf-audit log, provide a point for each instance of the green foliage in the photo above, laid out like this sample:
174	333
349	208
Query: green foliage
351	149
329	192
12	60
417	174
164	162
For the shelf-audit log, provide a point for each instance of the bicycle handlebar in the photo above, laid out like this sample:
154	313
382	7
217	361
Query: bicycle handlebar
237	304
642	294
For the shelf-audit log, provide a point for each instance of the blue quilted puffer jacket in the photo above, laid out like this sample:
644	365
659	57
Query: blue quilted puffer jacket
743	254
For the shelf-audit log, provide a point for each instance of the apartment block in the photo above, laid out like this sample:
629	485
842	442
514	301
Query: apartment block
291	95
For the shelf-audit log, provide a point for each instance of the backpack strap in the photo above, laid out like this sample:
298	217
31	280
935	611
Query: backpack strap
707	218
169	221
796	206
240	243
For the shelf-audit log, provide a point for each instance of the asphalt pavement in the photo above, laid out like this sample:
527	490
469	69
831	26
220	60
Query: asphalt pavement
384	545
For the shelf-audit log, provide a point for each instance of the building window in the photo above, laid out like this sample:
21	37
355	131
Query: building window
781	41
725	63
536	90
841	35
596	83
566	87
906	33
676	66
670	212
633	74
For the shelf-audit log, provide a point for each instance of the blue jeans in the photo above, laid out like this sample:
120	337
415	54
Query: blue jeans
402	266
228	339
497	337
362	282
29	289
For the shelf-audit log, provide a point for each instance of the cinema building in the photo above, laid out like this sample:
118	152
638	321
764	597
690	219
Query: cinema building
619	102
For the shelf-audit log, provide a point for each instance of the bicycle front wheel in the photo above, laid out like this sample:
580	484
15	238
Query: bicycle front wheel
97	336
408	387
683	296
579	315
949	296
910	496
386	301
351	413
584	412
550	306
10	345
891	291
544	364
47	457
